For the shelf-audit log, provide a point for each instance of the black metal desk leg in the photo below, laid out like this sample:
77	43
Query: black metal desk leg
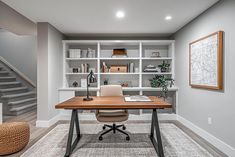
70	145
155	125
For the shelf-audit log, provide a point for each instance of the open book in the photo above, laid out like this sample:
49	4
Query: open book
135	98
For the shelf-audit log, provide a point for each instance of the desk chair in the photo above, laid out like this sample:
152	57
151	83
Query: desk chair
113	116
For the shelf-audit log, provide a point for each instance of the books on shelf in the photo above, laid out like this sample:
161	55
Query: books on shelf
104	68
84	68
130	67
152	68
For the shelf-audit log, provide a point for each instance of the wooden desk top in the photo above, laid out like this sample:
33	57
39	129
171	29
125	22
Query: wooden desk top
117	102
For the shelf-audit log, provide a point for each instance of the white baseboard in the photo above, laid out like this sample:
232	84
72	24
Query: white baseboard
45	123
225	148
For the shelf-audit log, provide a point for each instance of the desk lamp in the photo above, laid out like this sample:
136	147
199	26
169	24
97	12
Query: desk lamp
90	79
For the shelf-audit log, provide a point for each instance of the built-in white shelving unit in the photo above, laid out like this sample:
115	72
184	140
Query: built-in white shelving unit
139	52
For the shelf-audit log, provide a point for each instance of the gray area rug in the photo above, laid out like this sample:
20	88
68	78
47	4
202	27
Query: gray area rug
176	143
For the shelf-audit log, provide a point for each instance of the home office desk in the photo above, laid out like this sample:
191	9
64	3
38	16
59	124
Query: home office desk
108	103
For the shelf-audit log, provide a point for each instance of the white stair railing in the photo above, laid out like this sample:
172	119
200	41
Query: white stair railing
17	72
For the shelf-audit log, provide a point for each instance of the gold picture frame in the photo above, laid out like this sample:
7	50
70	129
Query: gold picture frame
206	62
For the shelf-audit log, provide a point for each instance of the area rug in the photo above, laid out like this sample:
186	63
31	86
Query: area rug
176	143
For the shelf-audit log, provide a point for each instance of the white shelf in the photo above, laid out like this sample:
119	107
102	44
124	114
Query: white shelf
120	58
160	58
119	73
78	89
79	73
156	73
158	89
124	89
78	59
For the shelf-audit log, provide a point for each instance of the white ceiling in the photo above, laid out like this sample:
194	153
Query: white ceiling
98	16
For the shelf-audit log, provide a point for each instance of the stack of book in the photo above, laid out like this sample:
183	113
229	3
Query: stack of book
84	68
74	53
152	68
130	67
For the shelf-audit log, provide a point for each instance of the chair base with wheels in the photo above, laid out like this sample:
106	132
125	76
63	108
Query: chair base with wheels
114	128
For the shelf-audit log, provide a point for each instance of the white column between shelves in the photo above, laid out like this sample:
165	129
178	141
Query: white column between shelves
98	68
140	72
64	66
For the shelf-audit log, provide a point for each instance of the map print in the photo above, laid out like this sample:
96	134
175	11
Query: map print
204	62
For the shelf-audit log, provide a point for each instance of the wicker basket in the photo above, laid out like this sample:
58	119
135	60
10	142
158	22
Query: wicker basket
13	137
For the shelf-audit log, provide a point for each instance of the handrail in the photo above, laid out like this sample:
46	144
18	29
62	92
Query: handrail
24	77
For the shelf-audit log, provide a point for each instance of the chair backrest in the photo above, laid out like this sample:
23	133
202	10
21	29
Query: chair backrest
111	90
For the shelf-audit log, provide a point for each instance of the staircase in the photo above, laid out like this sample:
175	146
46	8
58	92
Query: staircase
15	96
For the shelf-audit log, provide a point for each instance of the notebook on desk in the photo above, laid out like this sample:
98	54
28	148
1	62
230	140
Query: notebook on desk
137	98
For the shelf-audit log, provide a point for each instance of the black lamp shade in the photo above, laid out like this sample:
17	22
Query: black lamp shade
92	78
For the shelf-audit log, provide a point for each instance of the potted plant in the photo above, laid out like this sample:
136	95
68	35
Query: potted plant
162	82
164	66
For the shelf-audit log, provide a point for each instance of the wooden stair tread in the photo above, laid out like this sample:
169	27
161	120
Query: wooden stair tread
22	107
18	95
21	101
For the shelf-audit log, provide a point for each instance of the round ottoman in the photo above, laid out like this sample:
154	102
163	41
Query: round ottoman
13	137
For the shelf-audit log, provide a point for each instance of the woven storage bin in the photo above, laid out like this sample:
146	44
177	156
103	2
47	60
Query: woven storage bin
13	137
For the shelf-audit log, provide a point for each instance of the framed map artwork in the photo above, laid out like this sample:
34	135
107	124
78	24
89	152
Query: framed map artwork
206	62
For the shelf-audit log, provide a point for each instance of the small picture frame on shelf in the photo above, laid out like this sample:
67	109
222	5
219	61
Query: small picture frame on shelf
83	83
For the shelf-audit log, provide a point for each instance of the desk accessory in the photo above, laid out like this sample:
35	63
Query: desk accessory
137	98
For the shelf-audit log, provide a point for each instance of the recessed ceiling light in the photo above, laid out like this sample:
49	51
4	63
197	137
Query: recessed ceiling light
168	17
120	14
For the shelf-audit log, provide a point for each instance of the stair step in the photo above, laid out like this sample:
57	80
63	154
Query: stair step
7	77
9	83
15	109
13	89
21	101
18	95
4	72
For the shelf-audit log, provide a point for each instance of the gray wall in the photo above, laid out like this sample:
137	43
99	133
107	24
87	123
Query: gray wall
196	105
49	70
20	51
15	22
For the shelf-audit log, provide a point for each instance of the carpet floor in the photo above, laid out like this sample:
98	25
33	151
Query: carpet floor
175	142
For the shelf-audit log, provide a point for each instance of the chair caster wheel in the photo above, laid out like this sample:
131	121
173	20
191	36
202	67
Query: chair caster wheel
104	127
100	138
128	138
123	128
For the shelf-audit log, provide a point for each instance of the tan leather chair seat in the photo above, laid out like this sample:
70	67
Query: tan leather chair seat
111	113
